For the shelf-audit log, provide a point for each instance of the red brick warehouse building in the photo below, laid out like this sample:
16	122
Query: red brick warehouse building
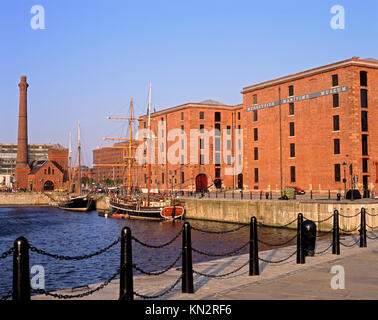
313	129
194	146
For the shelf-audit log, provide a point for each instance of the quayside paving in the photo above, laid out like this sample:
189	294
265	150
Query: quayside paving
286	280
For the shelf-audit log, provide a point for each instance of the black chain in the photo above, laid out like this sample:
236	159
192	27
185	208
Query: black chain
325	250
160	294
221	275
7	296
278	261
372	238
80	295
349	245
285	225
277	244
319	221
7	253
221	232
371	215
372	227
87	256
347	231
220	254
160	246
158	272
357	214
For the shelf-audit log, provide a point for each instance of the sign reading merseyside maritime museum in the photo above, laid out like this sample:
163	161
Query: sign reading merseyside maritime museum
299	98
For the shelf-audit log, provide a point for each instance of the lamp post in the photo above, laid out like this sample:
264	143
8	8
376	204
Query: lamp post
344	180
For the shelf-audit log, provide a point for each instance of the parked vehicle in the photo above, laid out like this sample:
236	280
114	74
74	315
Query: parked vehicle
296	190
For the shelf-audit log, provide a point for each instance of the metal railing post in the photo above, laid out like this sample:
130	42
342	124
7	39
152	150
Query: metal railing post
21	273
126	287
187	265
363	243
253	249
300	248
336	233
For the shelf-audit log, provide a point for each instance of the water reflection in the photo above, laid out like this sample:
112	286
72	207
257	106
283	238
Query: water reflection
72	234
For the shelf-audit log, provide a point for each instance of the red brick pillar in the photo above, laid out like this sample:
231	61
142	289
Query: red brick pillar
22	167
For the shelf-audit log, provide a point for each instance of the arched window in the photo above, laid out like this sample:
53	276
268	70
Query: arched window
49	170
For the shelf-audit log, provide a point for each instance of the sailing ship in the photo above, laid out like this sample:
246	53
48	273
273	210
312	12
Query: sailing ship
80	203
143	206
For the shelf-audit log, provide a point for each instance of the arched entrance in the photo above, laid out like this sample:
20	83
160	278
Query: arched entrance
48	186
201	183
240	181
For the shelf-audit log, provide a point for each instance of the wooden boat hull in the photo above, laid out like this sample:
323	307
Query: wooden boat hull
79	204
127	211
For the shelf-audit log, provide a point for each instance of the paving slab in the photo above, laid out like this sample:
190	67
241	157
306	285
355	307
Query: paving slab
277	281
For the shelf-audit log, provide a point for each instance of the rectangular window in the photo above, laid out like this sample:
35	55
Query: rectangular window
291	91
292	174
202	144
292	150
336	123
182	144
254	115
202	115
364	98
335	100
255	99
182	129
229	145
336	146
182	177
337	173
365	145
228	129
217	159
256	175
291	108
292	129
217	129
202	128
335	80
238	115
217	117
364	121
162	178
182	115
217	172
365	165
363	78
255	134
217	143
256	153
229	160
202	159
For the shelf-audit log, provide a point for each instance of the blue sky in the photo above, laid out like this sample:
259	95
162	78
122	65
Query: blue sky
95	55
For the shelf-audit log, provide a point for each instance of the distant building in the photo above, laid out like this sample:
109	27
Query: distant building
8	157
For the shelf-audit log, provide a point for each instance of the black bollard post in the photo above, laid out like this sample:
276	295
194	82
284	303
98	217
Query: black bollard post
363	243
216	194
187	265
261	195
126	287
224	194
311	194
300	248
233	196
241	195
309	237
253	249
270	195
329	194
250	195
336	233
21	273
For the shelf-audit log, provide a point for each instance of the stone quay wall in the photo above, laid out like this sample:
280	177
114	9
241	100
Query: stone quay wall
24	199
278	213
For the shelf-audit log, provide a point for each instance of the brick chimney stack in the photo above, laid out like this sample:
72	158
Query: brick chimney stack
22	167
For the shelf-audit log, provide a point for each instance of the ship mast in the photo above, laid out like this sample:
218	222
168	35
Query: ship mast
130	147
70	163
79	151
149	147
